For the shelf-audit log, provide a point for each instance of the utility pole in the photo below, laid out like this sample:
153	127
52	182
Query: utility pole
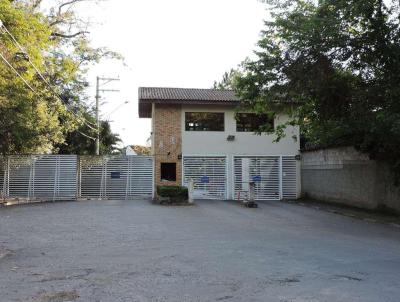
99	82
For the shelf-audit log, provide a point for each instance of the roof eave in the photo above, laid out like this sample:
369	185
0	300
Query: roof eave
145	105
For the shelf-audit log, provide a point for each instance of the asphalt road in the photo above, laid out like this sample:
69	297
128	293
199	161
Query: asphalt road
214	251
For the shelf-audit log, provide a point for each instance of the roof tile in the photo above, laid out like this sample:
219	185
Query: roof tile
186	94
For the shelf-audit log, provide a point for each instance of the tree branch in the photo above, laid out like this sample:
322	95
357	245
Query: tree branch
68	36
66	4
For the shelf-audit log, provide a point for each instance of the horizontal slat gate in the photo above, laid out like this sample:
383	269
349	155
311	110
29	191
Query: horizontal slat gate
42	177
289	177
208	174
263	171
116	177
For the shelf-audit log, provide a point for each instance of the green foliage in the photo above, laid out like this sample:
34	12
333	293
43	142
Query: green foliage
76	143
338	62
173	191
227	81
38	121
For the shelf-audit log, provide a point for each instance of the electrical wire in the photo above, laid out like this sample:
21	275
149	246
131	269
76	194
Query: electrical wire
82	119
18	74
33	90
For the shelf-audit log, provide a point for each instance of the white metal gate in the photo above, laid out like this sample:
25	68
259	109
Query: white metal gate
275	177
39	177
208	174
289	177
117	177
263	171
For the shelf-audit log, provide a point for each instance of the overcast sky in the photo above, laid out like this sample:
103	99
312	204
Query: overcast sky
168	43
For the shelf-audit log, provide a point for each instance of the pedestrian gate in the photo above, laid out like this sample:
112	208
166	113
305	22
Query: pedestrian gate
263	171
274	177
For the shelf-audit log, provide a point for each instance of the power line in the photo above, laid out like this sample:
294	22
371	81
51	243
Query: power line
27	84
84	120
33	90
18	74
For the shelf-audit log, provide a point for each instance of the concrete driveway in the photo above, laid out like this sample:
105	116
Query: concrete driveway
214	251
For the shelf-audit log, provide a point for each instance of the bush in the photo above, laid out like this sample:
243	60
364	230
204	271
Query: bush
173	192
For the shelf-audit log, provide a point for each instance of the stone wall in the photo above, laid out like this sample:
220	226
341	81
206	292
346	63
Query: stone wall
345	176
167	140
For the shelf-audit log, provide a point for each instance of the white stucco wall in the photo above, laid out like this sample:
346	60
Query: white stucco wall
245	143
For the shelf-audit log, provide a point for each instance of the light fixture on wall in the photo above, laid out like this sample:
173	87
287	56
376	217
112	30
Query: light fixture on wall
230	138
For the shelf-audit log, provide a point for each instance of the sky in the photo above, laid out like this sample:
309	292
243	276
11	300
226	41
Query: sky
166	43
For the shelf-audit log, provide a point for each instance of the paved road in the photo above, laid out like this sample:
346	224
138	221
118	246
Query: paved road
214	251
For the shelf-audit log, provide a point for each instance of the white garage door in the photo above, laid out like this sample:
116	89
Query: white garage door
208	174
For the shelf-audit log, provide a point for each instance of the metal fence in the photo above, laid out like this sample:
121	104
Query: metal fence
120	177
37	177
69	177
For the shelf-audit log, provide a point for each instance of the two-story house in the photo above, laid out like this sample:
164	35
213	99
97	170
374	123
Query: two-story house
199	134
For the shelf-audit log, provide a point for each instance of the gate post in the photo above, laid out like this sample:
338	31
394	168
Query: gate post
280	178
78	177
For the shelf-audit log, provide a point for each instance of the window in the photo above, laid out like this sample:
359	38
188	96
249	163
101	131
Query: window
204	121
254	122
168	171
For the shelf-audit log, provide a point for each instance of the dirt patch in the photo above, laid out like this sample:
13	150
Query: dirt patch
4	252
58	297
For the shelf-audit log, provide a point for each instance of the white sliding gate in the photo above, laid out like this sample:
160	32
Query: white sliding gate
222	177
116	177
208	174
69	177
39	177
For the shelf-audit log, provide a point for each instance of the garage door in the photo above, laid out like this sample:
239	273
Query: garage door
208	174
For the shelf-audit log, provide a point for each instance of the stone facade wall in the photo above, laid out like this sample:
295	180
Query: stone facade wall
167	140
345	176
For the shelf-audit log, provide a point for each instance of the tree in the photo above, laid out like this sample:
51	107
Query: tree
227	81
45	104
338	63
76	143
29	115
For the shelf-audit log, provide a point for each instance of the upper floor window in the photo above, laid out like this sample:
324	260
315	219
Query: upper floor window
204	121
254	122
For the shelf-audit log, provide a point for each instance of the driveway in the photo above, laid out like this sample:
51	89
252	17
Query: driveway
214	251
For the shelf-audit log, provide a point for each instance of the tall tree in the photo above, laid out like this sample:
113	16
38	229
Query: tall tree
42	93
338	61
227	81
